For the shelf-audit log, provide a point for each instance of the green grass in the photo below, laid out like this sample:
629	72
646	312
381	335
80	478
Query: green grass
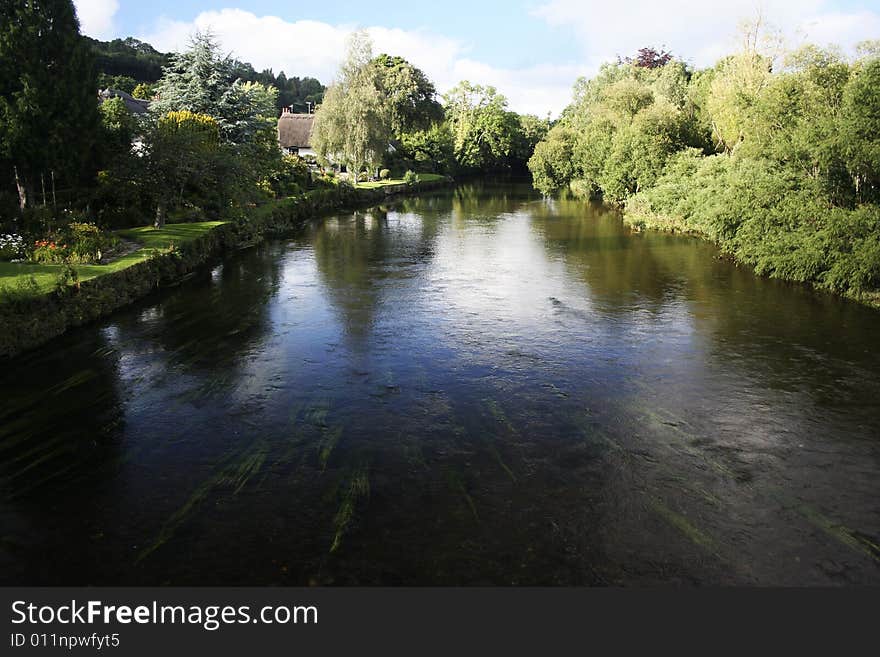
423	177
152	241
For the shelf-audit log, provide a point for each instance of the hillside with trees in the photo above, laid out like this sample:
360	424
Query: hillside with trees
134	66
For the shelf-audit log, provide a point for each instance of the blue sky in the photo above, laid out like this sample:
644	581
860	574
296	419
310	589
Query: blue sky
531	50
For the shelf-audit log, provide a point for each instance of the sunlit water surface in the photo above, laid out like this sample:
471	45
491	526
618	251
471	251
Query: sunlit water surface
473	387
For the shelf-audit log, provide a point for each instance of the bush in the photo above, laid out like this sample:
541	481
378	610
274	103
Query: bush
582	189
49	252
767	216
410	178
86	242
11	247
290	176
384	174
78	243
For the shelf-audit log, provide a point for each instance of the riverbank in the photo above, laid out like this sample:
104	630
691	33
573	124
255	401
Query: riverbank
837	254
39	304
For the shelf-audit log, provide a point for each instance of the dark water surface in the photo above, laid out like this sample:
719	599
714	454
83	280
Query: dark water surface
474	387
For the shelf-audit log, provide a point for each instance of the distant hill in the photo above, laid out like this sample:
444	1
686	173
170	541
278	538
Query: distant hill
124	63
128	57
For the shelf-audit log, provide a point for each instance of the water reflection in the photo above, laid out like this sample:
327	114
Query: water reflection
477	386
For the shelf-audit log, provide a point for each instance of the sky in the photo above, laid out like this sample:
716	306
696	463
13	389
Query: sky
532	51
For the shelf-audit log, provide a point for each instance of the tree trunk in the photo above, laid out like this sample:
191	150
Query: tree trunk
160	215
22	192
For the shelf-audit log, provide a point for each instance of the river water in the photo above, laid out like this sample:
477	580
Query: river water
477	386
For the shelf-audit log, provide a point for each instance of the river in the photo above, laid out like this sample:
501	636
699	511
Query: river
475	386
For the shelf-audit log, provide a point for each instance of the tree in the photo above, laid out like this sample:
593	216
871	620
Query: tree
738	82
351	126
118	126
431	149
860	127
648	58
793	120
529	132
178	151
203	81
552	164
482	128
143	91
49	120
409	96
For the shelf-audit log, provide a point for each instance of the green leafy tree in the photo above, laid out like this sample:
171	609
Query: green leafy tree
794	118
860	128
143	91
409	96
431	149
738	83
49	118
179	152
552	164
119	127
128	57
482	128
529	133
202	81
117	82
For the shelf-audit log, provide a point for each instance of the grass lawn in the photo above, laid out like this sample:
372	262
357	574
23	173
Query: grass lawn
423	177
152	241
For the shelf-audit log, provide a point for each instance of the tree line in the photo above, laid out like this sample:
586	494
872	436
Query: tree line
207	147
773	154
385	112
134	66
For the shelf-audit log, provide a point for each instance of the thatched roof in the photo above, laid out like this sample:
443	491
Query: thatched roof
295	130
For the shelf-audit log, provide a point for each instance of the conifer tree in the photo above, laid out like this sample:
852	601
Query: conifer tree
49	120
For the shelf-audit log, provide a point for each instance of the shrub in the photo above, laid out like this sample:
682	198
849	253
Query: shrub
48	252
78	243
767	216
11	247
290	176
86	243
410	178
582	189
384	174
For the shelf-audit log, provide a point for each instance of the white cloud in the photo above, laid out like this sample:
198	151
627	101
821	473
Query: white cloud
701	32
314	48
841	28
96	16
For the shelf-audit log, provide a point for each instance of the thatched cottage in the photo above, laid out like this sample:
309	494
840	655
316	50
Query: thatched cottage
295	133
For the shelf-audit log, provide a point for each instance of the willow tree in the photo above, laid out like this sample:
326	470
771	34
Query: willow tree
351	127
